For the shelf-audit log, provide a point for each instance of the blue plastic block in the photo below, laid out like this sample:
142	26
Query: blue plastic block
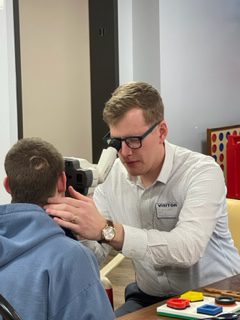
210	309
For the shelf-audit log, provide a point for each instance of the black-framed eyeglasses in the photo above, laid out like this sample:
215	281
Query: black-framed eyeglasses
133	142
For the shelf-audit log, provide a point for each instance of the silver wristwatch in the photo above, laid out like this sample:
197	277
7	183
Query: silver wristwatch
108	232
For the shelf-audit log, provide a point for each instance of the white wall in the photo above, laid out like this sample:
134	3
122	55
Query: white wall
146	53
8	106
125	40
138	30
190	51
200	67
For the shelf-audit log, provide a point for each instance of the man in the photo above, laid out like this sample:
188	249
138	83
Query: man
43	273
162	205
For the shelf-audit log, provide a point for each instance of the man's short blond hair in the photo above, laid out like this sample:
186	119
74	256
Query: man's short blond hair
132	95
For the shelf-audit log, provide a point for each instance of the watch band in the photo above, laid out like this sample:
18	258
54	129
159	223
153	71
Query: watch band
109	223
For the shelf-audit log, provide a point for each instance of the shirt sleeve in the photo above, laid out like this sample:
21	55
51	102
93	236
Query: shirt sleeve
101	251
184	245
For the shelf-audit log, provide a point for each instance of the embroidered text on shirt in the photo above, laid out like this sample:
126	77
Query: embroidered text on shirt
166	205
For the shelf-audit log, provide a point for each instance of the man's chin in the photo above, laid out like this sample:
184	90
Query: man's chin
133	171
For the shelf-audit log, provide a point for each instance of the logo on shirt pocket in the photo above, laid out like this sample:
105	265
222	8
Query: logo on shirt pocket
166	216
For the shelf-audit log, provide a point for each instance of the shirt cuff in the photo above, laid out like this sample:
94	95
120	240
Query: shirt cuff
135	242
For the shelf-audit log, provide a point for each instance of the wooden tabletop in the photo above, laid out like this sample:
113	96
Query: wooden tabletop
149	313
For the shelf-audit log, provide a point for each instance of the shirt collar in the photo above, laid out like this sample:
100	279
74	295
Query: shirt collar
167	164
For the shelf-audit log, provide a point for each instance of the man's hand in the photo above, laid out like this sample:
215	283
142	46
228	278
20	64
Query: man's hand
78	214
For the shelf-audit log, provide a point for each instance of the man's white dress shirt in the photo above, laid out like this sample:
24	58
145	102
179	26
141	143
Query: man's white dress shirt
176	230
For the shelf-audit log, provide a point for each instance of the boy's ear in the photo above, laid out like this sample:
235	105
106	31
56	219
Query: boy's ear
62	182
6	185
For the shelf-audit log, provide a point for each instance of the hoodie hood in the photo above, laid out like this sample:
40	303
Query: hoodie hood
22	227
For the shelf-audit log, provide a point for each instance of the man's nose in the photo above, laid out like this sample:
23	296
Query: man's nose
125	150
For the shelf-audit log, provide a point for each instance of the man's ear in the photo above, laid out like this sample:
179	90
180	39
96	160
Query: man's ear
163	130
6	185
61	183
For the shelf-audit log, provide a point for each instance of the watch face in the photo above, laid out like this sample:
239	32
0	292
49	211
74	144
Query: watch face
109	233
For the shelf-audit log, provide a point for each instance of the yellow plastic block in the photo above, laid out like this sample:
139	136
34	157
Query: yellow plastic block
193	296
